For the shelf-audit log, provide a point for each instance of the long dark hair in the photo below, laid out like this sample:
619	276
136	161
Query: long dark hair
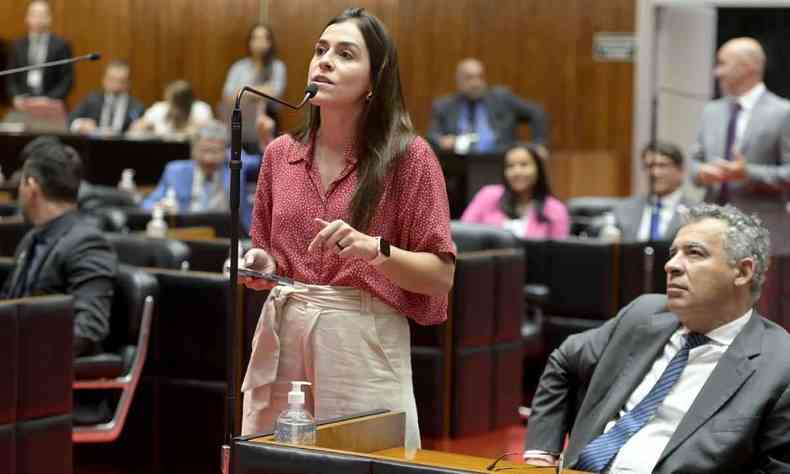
268	57
541	190
384	130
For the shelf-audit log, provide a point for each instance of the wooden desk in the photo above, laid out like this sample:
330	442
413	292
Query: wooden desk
368	438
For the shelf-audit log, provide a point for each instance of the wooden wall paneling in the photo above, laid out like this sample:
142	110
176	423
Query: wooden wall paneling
541	50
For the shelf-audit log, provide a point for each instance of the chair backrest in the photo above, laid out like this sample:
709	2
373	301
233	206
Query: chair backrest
636	276
470	237
95	196
189	327
583	277
147	252
11	233
588	213
35	392
132	286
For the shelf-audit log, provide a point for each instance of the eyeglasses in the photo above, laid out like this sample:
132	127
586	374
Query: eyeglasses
493	466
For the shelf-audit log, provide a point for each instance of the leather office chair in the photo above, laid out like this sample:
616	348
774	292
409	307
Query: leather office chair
589	214
469	237
146	252
120	365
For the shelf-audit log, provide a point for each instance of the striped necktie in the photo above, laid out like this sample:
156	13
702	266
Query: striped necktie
602	450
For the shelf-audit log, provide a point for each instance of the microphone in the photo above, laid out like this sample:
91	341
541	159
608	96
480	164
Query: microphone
59	62
234	200
309	93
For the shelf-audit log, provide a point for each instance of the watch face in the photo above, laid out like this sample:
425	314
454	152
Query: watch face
384	247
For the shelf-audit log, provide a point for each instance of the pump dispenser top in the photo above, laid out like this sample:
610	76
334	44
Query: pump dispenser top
295	425
296	395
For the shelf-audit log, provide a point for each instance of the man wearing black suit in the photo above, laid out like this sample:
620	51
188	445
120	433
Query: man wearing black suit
477	119
691	381
110	110
37	47
62	254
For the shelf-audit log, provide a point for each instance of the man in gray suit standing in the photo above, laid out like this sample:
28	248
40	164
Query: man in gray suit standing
742	154
694	381
655	216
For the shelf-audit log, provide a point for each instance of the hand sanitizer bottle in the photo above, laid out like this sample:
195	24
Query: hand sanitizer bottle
157	227
295	425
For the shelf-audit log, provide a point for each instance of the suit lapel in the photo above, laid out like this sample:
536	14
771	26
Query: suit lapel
755	120
732	371
610	394
52	240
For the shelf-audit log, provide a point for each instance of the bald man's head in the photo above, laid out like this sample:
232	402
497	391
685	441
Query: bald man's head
740	65
471	79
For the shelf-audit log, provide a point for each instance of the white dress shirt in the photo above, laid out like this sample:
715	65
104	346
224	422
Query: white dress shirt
113	111
669	204
37	54
641	452
747	102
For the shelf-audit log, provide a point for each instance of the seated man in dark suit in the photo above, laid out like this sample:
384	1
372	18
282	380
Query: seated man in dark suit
477	119
62	254
202	184
110	110
37	47
691	381
655	215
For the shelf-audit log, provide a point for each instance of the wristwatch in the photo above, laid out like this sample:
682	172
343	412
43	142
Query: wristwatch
383	252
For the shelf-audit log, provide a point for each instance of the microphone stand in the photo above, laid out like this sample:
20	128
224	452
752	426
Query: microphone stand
59	62
234	200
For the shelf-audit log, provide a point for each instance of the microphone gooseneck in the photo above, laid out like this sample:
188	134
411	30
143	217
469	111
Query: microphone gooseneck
309	93
59	62
234	203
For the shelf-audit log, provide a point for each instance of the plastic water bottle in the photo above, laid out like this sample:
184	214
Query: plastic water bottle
157	227
127	184
170	202
295	425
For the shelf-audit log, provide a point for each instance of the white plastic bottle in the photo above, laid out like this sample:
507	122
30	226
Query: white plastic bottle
2	176
295	425
127	184
157	227
170	202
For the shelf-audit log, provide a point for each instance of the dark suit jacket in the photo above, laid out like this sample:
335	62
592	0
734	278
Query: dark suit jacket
628	217
57	80
92	106
739	422
78	260
505	112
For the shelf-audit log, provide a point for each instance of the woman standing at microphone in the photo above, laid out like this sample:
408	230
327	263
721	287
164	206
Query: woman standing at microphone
354	205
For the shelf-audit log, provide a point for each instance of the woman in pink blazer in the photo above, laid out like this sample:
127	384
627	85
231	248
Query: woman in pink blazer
524	204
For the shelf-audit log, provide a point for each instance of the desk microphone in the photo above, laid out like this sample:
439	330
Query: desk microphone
59	62
309	93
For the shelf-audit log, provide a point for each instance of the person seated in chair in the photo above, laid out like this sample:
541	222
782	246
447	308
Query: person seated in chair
479	119
691	381
524	204
111	110
63	253
202	184
656	215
